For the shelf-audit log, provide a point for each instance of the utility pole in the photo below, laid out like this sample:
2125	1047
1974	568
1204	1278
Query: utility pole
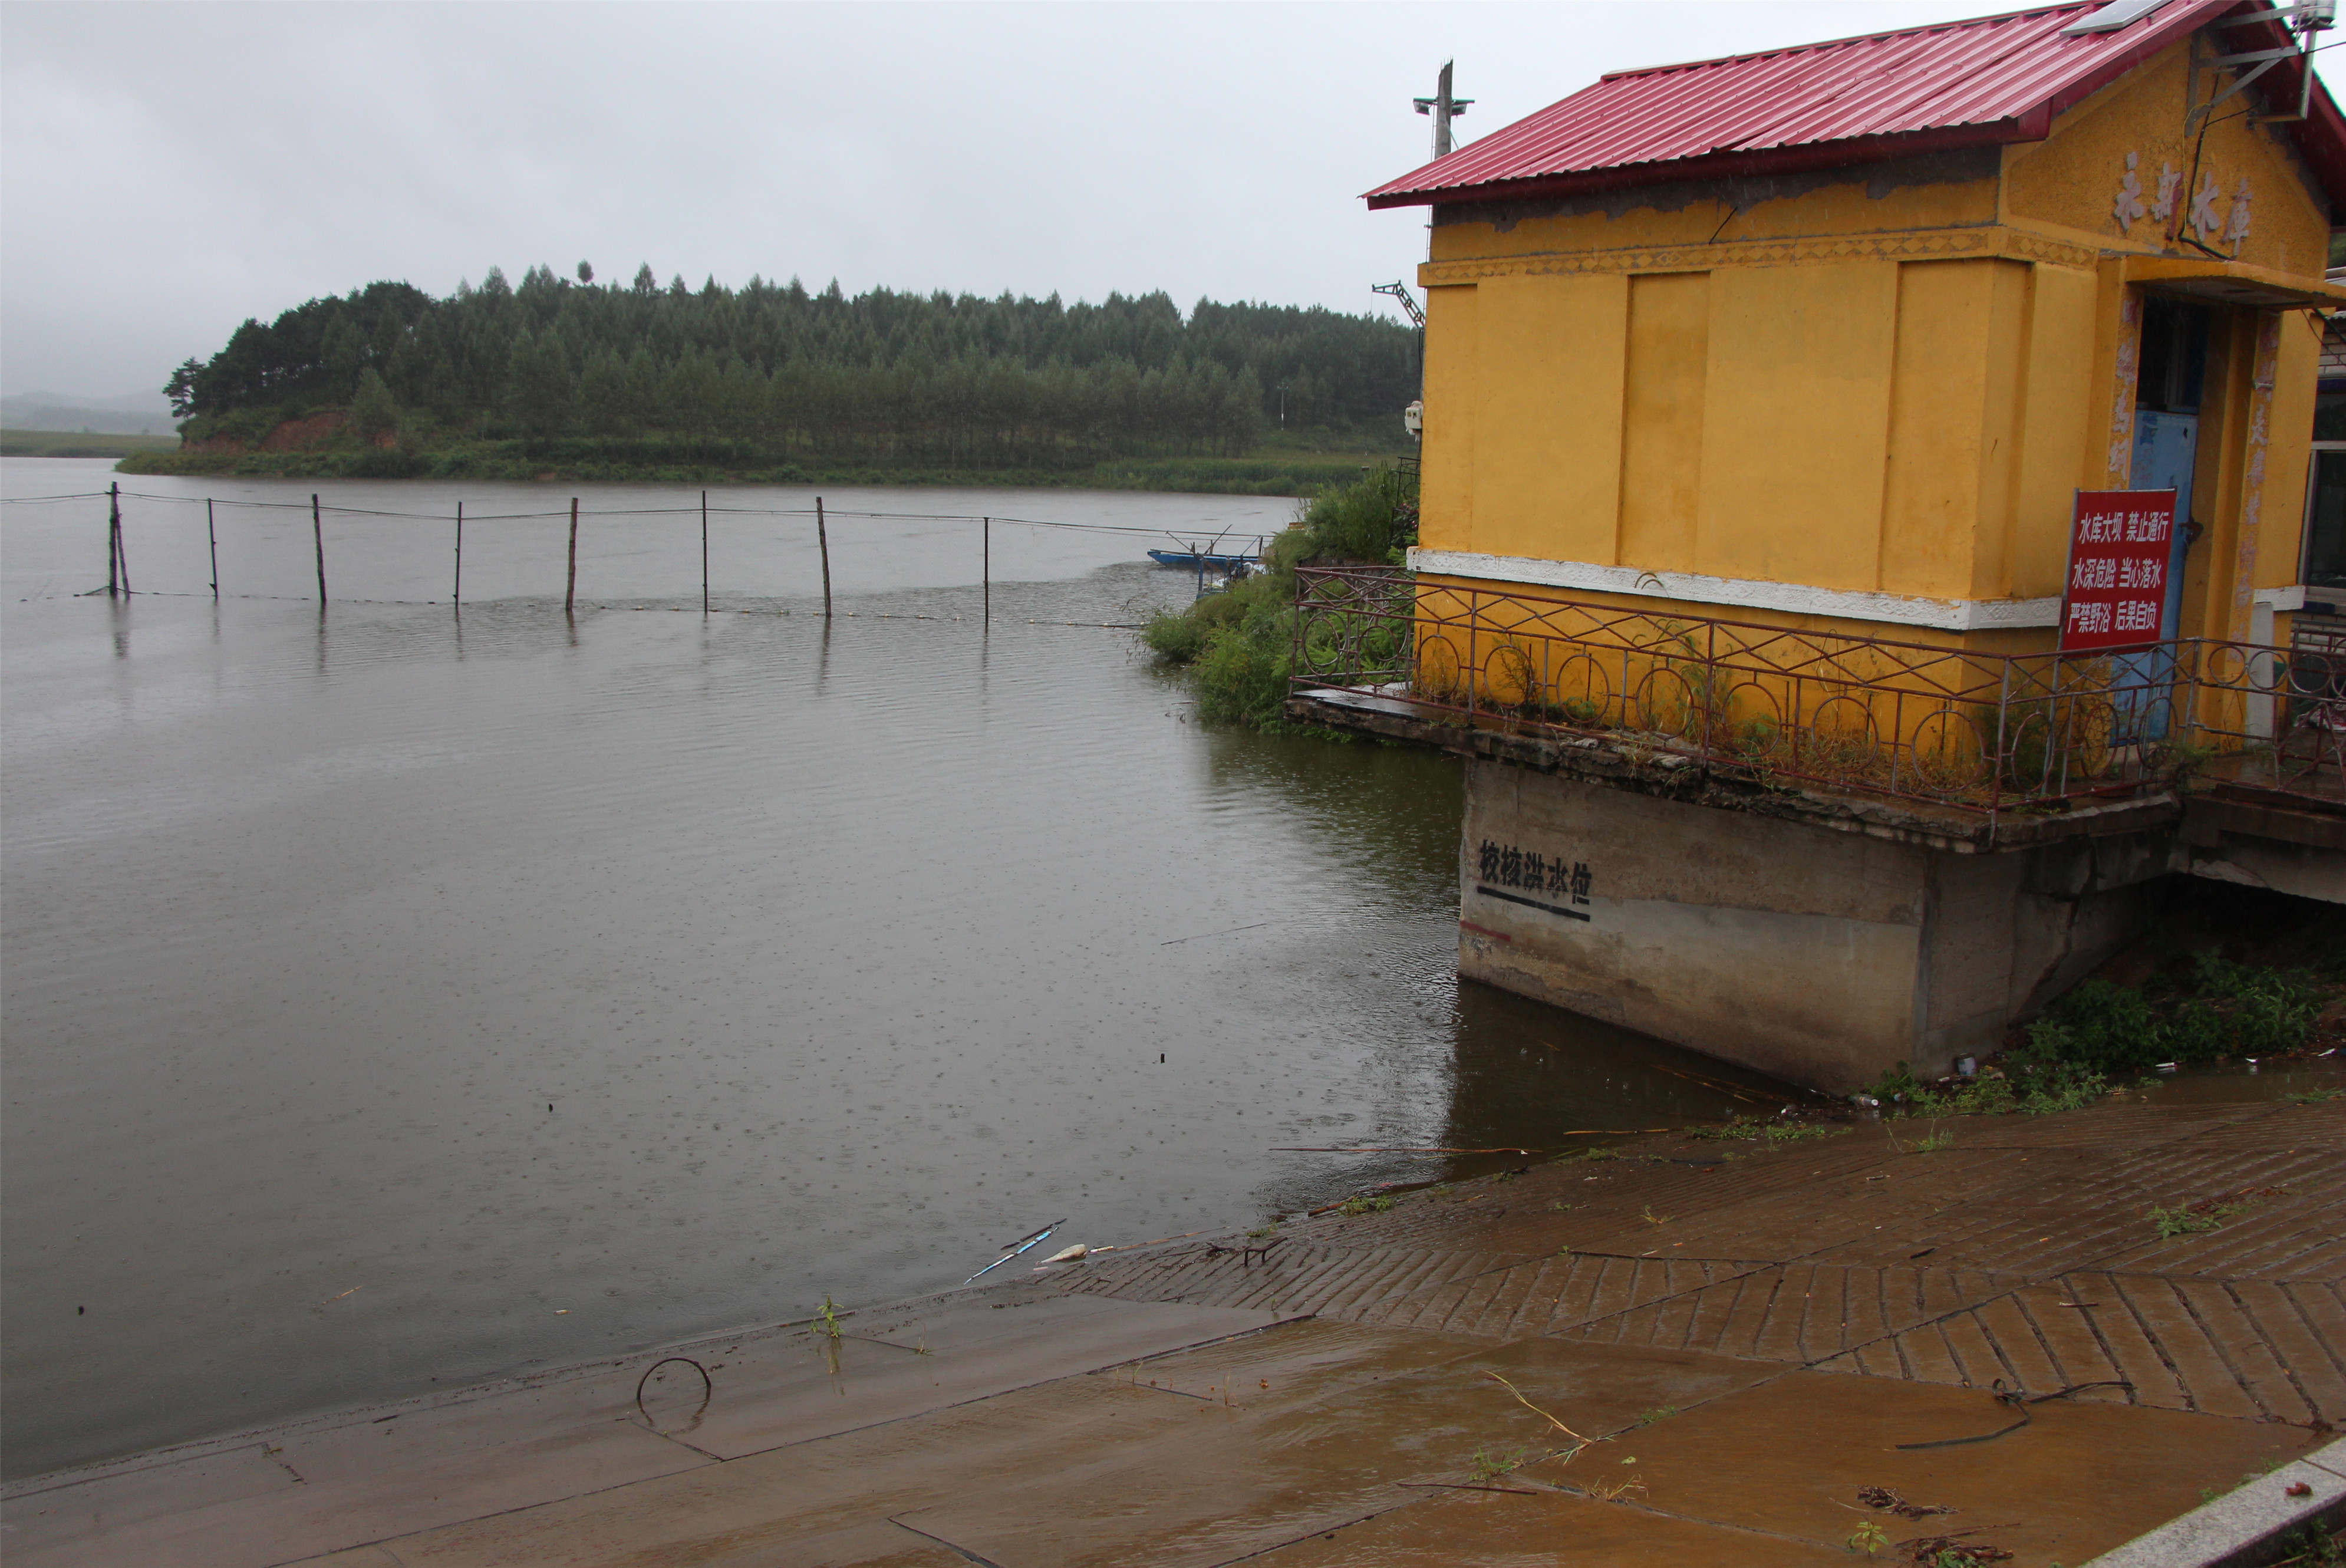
1444	108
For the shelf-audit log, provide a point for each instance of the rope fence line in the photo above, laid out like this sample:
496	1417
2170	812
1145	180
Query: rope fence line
630	608
119	565
470	517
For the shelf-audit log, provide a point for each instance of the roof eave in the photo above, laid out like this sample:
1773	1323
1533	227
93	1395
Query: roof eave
1850	150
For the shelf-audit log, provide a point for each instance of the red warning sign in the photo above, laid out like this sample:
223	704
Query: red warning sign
2119	543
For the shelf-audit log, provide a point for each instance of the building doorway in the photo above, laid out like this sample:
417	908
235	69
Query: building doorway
2168	389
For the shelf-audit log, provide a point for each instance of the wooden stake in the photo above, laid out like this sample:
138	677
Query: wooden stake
823	539
456	594
570	591
211	538
987	571
113	538
121	541
704	552
317	533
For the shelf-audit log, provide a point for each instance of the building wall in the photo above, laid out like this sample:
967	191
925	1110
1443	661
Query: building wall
1884	380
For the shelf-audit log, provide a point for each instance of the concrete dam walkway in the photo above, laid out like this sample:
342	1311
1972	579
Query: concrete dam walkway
1775	1347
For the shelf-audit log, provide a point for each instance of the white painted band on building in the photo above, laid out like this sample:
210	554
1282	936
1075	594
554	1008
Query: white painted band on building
2281	599
1791	598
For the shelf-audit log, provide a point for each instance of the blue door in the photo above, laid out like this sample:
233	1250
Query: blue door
2166	450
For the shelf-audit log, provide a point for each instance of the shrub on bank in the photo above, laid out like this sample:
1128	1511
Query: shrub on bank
1238	647
2100	1031
2227	1010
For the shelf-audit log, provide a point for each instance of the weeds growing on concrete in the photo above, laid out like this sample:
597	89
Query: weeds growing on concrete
1795	1131
1613	1492
1486	1467
2313	1096
2208	1214
1769	1130
1364	1203
1869	1537
2030	1087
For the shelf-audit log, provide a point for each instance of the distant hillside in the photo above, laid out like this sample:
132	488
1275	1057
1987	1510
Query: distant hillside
79	443
144	414
770	377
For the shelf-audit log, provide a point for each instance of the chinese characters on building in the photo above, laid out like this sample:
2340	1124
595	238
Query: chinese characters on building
2119	549
1503	866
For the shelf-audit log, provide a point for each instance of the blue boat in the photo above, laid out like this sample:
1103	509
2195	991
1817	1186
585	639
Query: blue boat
1191	560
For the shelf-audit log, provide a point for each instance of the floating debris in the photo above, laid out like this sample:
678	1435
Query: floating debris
1014	1249
1890	1502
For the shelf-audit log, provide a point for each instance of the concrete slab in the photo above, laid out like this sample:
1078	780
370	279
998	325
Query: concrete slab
156	1518
1309	1429
2079	1479
2248	1525
1508	1529
1192	1457
800	1386
335	1483
1158	1409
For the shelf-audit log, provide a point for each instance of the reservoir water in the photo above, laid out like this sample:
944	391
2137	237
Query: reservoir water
395	998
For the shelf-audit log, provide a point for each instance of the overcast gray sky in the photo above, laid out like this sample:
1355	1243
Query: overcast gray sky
168	170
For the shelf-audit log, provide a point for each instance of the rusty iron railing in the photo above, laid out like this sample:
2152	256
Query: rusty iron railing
1980	732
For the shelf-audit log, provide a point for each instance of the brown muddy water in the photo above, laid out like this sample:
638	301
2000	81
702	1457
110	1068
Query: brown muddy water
396	999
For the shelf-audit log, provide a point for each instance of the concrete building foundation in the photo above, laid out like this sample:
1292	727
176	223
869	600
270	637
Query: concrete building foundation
1819	955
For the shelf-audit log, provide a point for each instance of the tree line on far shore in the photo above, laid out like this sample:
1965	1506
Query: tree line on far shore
881	378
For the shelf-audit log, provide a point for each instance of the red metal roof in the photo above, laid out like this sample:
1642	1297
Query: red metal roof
1888	94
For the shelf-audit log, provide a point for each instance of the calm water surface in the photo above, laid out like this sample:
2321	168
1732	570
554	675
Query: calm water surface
395	998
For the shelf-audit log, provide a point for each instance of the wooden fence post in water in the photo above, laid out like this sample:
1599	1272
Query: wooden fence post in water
986	570
704	552
113	538
317	533
570	590
456	594
212	538
823	540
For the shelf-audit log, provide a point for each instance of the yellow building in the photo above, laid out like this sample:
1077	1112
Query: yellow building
1758	396
1829	337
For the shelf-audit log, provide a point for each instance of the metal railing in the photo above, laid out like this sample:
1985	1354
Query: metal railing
1980	732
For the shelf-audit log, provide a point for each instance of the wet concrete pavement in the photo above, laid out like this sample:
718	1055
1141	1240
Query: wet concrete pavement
1749	1330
